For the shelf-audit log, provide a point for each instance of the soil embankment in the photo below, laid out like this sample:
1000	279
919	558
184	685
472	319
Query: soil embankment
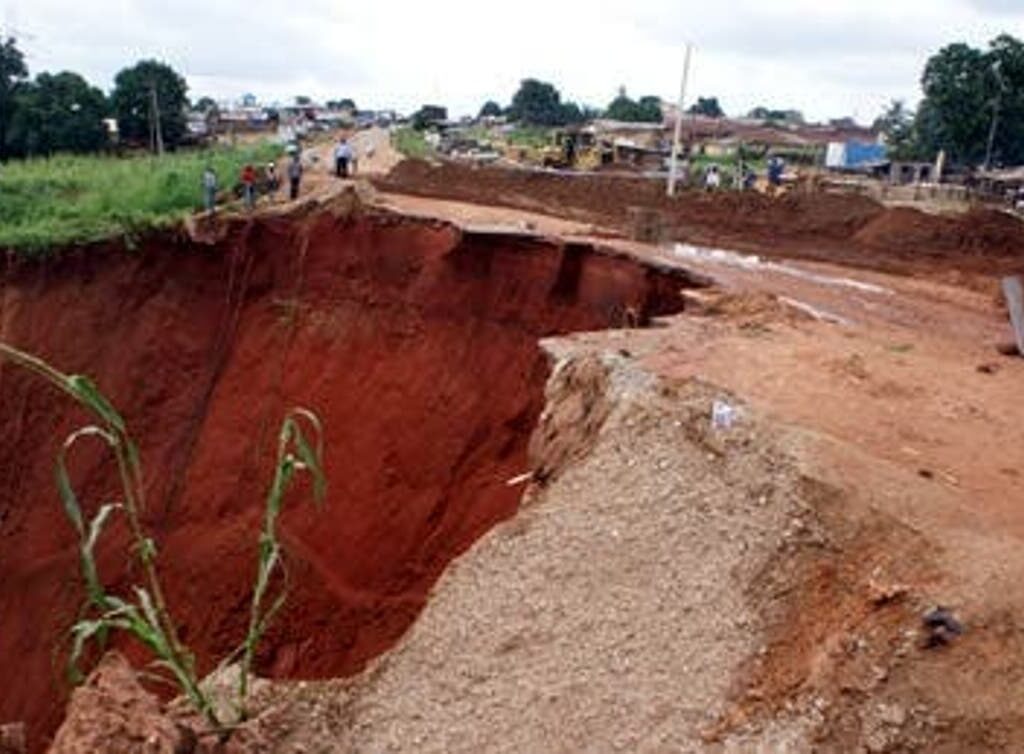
841	228
415	342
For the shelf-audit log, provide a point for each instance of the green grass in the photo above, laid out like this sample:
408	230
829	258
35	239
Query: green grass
411	143
530	136
64	200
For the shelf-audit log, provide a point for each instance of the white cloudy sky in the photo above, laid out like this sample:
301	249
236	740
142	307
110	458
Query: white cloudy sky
826	57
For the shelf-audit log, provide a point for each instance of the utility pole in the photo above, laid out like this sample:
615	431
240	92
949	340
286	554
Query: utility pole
674	163
997	106
156	131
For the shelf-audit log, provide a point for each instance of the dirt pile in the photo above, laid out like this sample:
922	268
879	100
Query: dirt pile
608	198
979	232
844	228
416	343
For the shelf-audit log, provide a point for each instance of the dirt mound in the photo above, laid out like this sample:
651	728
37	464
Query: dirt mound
112	713
845	228
415	342
608	199
980	232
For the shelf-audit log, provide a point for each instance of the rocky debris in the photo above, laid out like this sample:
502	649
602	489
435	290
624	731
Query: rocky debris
942	626
12	738
114	714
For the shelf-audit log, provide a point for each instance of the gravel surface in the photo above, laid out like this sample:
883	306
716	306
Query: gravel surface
608	616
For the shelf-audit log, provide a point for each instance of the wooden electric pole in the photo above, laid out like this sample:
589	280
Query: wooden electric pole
156	132
674	163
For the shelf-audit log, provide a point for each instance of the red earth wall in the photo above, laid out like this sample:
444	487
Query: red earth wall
416	344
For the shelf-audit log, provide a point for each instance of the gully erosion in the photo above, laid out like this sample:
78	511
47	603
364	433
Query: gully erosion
416	342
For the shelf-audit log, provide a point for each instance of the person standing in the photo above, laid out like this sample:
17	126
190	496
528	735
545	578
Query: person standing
210	189
776	167
342	158
249	186
294	177
712	178
273	181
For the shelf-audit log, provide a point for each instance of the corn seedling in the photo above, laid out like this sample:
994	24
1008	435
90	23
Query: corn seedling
294	454
146	616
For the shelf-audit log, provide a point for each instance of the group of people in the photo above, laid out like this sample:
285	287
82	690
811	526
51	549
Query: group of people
252	184
713	176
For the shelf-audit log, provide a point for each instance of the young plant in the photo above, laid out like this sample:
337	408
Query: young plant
146	615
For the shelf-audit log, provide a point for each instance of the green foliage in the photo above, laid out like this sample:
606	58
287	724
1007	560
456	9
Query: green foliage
491	109
145	615
708	106
646	110
346	103
782	117
538	103
964	88
896	124
206	105
295	454
529	136
58	113
13	73
132	102
429	115
62	200
410	143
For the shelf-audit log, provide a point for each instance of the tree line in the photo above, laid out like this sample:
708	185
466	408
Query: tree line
63	112
973	107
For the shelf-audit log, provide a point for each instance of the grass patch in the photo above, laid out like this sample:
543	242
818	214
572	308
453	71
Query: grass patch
79	199
530	136
411	143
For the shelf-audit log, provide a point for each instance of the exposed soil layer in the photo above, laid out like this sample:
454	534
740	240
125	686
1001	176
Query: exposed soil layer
415	342
842	228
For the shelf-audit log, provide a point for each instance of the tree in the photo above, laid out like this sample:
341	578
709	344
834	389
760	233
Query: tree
957	91
58	113
491	109
707	106
13	73
1007	56
429	115
205	105
646	110
896	124
133	102
784	117
973	96
346	105
536	103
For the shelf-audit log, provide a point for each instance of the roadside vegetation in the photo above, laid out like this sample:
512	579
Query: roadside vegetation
142	611
411	143
49	202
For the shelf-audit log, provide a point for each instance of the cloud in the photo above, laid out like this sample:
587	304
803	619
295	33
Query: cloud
828	59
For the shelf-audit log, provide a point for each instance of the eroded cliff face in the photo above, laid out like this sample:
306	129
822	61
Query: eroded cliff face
414	341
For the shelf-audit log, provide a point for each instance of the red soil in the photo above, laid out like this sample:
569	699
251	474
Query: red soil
416	344
844	228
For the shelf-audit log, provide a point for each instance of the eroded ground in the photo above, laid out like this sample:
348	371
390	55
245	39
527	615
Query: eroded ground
670	586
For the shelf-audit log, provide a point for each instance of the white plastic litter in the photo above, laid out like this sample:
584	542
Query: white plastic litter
723	415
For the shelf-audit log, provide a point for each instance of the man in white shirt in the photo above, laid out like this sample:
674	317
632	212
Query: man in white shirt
343	158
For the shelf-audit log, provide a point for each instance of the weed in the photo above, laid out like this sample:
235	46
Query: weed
145	615
411	143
